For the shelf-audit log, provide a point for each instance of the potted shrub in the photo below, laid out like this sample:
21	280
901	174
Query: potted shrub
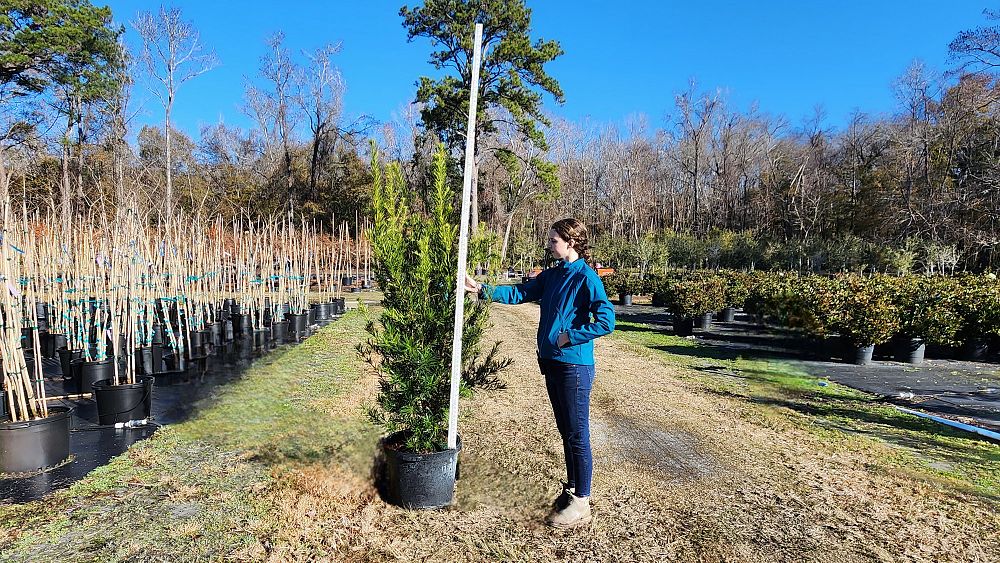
736	291
928	313
693	299
758	292
978	303
863	313
622	283
410	342
768	295
651	284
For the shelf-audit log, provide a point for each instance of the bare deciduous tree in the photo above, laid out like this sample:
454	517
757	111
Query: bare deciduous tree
696	122
172	54
320	96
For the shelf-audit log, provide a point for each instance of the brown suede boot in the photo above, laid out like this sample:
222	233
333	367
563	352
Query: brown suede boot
576	513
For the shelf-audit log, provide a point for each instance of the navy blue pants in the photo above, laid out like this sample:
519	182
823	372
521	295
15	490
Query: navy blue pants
569	388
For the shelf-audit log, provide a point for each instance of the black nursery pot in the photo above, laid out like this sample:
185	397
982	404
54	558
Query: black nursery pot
296	325
727	315
974	349
206	341
89	372
175	362
42	314
27	338
863	354
65	357
197	342
419	480
238	322
159	333
683	325
705	321
150	359
326	311
625	299
216	330
339	305
320	312
300	322
260	337
55	342
279	331
35	444
910	350
125	402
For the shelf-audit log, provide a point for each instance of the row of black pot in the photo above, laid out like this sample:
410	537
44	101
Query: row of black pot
317	311
348	281
902	348
39	444
169	312
43	443
684	326
231	325
911	350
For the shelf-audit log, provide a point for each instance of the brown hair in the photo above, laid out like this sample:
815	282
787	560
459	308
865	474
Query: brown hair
574	230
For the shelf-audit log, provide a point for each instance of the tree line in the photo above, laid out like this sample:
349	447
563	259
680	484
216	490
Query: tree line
924	177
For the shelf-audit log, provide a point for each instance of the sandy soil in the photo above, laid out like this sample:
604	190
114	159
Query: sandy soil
681	473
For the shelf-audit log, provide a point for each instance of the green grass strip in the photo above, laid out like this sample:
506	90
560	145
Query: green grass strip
199	490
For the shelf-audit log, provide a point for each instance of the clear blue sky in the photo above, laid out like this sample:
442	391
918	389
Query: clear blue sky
622	58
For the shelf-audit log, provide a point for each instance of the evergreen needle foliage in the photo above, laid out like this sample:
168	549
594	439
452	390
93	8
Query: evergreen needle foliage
410	344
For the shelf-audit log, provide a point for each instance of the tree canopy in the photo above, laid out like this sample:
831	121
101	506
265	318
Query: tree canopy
68	42
512	74
978	49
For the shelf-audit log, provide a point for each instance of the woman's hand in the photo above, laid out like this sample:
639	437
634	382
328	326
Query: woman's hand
562	340
471	285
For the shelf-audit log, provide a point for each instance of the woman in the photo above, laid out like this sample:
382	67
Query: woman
574	311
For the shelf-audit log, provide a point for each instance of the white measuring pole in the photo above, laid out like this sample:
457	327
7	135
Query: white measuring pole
463	243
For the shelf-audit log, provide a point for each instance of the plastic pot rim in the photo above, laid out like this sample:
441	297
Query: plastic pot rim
55	414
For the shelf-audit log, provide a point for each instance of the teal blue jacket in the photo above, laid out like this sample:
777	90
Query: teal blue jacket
573	300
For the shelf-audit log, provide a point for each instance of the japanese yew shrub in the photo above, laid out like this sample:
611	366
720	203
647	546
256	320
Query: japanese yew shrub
410	344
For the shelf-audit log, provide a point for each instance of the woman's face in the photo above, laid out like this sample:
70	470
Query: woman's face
558	247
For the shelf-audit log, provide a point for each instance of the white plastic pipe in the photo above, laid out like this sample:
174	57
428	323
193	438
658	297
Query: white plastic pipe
954	424
463	242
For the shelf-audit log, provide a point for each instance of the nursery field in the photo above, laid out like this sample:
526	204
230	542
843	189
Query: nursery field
695	459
